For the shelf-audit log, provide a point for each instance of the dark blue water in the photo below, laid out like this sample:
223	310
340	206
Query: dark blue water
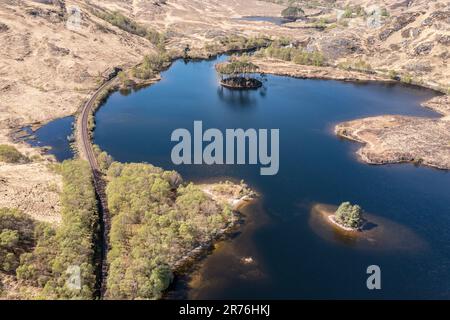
55	135
289	259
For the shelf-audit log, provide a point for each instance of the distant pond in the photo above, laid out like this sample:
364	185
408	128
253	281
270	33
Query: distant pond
55	134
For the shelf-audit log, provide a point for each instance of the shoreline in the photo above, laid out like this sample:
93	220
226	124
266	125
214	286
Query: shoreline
189	261
383	137
334	222
309	72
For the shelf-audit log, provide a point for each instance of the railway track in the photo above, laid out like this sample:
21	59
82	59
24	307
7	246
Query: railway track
87	152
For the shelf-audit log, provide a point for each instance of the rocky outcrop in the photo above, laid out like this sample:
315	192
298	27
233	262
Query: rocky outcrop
3	27
423	48
398	23
437	16
337	46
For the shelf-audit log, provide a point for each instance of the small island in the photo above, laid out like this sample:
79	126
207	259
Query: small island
351	226
348	217
235	73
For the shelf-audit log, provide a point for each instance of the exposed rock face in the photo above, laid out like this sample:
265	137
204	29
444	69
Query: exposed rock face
436	17
398	23
393	139
338	46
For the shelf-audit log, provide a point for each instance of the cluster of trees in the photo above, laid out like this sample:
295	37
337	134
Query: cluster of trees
16	238
237	66
156	220
152	64
10	154
230	189
357	65
104	160
349	215
236	42
119	20
71	246
291	53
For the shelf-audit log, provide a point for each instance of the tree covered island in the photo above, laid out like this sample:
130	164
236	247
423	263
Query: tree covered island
236	73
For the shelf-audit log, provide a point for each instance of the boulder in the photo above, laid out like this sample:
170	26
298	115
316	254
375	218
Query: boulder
423	48
3	27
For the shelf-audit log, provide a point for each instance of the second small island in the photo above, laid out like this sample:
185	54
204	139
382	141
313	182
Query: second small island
235	73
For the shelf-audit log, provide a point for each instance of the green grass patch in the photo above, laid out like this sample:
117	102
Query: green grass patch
10	154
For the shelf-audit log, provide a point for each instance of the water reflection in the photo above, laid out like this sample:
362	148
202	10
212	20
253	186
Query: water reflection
236	98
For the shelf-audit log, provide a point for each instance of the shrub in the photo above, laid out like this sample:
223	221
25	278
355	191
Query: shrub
349	215
347	13
10	154
392	74
407	78
158	39
321	23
